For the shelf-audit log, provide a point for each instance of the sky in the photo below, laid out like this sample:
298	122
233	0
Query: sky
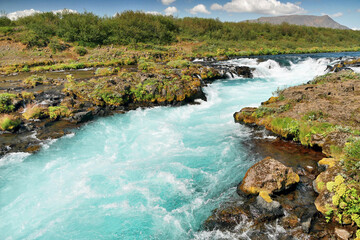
346	12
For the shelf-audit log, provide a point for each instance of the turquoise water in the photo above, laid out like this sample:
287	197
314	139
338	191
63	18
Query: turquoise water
147	174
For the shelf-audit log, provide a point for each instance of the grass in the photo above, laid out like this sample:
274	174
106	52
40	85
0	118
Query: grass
33	111
34	80
58	112
6	102
9	122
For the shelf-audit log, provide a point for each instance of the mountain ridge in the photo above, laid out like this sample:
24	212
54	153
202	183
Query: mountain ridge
303	20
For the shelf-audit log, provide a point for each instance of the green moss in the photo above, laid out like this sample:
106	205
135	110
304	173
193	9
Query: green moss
179	63
9	122
59	111
286	127
34	80
6	102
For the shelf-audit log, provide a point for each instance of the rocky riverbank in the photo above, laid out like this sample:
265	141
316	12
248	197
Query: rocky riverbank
39	108
321	115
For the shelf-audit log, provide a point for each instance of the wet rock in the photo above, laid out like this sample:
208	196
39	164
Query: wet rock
268	175
244	71
245	115
342	233
81	117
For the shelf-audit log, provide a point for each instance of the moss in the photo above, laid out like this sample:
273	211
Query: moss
34	80
9	122
59	111
179	64
265	195
33	111
6	102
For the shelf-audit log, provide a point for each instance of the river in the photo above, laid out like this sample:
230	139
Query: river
152	173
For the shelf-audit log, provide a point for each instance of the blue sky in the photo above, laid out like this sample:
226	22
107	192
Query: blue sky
346	12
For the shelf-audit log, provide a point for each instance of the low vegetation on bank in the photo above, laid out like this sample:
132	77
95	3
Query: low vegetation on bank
322	114
74	40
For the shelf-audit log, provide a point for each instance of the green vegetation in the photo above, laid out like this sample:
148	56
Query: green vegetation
9	122
58	112
221	38
34	80
346	199
329	77
33	111
6	102
81	51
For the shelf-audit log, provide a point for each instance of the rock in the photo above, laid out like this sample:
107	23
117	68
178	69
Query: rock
244	71
290	221
245	115
342	233
323	202
269	207
82	117
268	175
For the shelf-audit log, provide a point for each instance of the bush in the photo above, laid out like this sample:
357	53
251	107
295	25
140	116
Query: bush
34	80
81	51
58	112
179	63
9	122
33	111
55	45
6	102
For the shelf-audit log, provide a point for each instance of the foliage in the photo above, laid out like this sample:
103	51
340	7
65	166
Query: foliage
33	111
6	102
27	96
146	65
34	80
55	45
58	112
81	51
106	71
9	122
220	38
179	63
352	157
286	126
346	199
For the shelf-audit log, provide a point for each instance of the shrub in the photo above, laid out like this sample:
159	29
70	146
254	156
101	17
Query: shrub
9	122
179	63
352	157
105	71
346	199
55	45
33	111
81	51
27	96
6	102
34	80
146	65
58	112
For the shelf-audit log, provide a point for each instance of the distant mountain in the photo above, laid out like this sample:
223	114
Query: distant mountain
305	20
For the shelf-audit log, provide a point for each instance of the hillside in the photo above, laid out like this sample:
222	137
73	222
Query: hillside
303	20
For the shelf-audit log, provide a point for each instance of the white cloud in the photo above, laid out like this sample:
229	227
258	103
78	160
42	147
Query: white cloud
29	12
63	11
356	29
339	14
216	6
170	11
270	7
167	2
200	8
24	13
153	13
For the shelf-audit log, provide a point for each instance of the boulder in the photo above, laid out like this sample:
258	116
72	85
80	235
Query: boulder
245	115
268	175
342	233
81	117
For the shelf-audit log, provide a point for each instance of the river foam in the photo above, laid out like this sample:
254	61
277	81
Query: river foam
148	174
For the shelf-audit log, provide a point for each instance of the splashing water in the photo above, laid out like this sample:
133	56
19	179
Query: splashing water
147	174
